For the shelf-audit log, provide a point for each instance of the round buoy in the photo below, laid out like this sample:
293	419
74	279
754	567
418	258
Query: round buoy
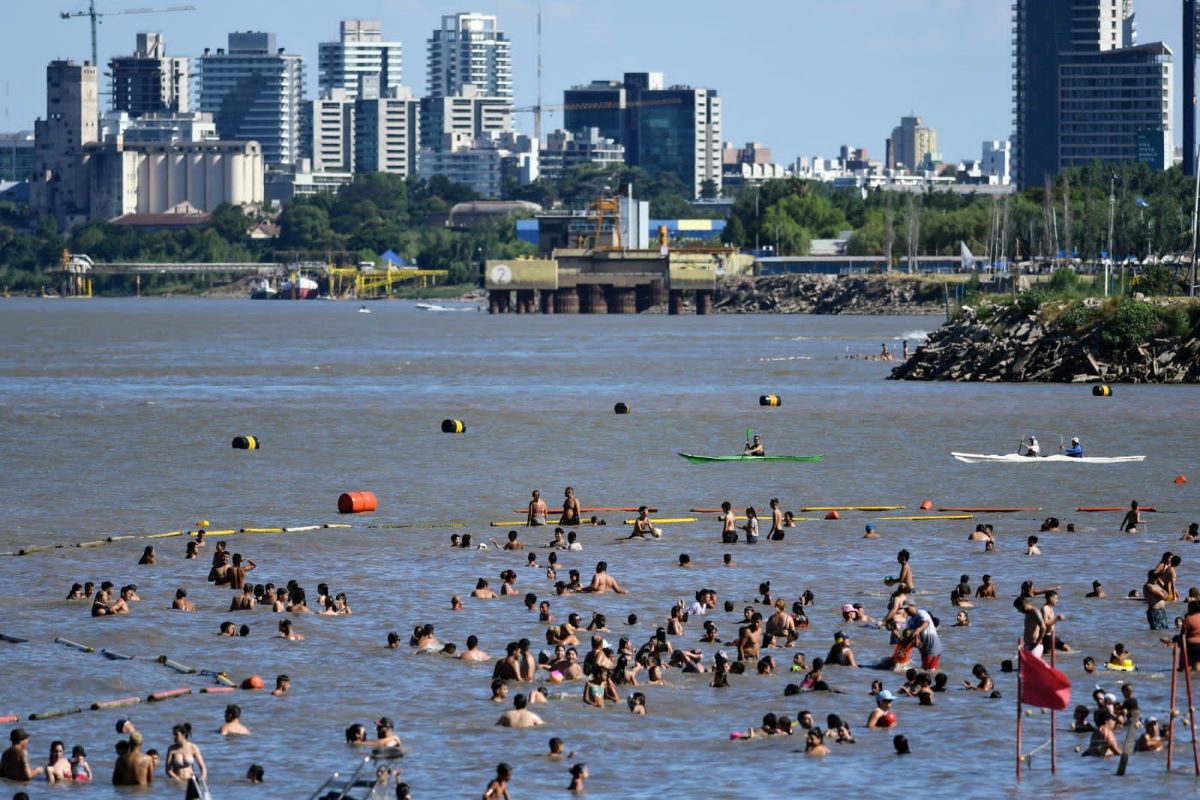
620	408
246	443
356	502
1180	480
1102	390
453	426
770	400
253	682
202	523
833	515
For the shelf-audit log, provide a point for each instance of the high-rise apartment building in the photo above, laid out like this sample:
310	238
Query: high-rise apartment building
59	184
360	52
387	131
469	111
565	150
254	92
1083	89
914	146
469	50
330	130
663	129
149	81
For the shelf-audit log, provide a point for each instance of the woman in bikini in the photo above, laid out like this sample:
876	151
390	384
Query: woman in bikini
183	758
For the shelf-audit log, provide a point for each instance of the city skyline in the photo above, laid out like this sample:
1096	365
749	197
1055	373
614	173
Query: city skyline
854	99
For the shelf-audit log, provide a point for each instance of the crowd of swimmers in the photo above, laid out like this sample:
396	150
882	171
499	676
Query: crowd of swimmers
610	668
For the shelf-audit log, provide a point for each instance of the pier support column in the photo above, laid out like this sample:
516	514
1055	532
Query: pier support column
525	301
704	301
675	301
497	302
547	298
567	301
624	301
600	299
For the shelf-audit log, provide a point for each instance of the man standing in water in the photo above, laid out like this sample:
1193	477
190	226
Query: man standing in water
1156	602
537	510
14	764
728	524
602	582
570	512
906	574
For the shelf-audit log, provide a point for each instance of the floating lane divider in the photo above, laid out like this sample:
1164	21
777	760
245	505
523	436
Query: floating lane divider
220	677
8	718
96	543
930	516
157	697
120	702
669	520
61	712
76	645
175	665
302	528
1151	509
516	523
12	639
222	532
217	689
989	510
120	538
851	508
261	530
112	655
422	525
336	525
166	535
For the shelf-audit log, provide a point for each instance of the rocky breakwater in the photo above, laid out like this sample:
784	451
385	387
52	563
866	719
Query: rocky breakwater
1120	340
828	294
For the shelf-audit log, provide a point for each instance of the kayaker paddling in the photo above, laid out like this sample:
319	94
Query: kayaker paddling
1075	450
1030	448
754	447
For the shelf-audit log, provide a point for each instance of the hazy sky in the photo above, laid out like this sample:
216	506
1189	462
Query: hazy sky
801	76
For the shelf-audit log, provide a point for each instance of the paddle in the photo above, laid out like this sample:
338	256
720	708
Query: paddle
749	433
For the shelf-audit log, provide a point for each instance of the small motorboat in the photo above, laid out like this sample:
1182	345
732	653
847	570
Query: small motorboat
364	310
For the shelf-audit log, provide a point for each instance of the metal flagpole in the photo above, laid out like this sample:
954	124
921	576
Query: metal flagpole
1053	713
1019	643
1187	681
1174	688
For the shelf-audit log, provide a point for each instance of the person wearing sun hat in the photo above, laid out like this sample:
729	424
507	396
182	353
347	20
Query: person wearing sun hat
882	716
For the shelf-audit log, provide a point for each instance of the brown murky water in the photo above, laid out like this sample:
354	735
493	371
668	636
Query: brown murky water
117	418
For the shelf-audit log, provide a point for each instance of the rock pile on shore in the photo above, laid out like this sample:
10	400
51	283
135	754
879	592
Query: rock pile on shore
827	294
1008	345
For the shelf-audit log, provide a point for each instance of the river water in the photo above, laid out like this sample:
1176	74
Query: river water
117	419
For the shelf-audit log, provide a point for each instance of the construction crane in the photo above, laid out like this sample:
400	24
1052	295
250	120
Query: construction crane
95	16
598	106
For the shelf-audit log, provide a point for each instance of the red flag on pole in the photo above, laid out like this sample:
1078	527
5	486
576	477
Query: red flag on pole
1042	685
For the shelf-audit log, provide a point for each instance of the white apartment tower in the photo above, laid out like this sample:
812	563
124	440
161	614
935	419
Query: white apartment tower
361	52
469	111
469	49
149	81
254	92
332	132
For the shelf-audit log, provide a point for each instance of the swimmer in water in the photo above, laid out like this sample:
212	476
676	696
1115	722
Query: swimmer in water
233	726
570	512
602	582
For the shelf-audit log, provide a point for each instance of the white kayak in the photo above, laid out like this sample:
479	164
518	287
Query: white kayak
1014	458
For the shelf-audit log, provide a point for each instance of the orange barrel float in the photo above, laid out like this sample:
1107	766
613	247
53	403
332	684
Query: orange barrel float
246	443
770	400
453	426
357	502
620	408
1102	391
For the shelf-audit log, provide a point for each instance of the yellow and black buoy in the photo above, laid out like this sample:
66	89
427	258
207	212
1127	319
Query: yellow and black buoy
620	408
1103	390
770	400
453	426
246	443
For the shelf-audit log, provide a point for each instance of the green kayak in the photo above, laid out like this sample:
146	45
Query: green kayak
711	459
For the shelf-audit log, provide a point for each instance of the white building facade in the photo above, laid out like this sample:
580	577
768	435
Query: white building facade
469	50
360	52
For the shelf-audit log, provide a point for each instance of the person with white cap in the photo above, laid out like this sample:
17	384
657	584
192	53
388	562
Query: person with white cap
1075	450
1031	447
882	716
